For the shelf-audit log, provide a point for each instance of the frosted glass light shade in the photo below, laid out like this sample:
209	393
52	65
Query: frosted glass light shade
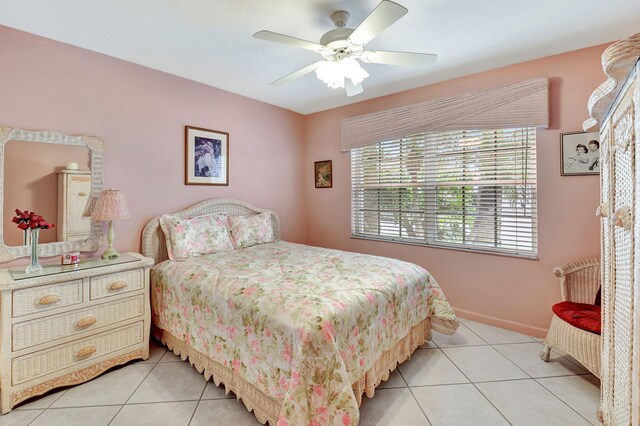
333	73
111	205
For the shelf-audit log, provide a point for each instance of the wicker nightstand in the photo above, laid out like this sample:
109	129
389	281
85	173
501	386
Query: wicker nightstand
65	325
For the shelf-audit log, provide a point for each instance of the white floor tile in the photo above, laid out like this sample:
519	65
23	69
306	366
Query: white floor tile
216	392
165	413
457	405
462	337
169	356
391	407
495	335
484	363
223	412
112	388
156	350
429	344
430	367
527	403
527	357
395	381
582	393
19	417
94	416
41	402
170	381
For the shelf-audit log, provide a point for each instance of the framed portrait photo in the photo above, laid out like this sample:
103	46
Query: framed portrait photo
579	153
206	156
322	174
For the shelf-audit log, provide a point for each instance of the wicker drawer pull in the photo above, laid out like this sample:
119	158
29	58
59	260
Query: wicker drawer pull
82	194
49	299
622	218
117	285
86	322
603	210
85	352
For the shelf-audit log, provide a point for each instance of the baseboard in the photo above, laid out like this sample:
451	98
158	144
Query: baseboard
502	323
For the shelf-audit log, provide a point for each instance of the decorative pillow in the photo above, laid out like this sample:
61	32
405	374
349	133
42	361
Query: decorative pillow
195	236
247	231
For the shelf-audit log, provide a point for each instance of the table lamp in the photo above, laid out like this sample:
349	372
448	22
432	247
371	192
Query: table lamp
110	206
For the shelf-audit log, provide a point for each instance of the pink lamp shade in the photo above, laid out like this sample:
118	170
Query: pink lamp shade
111	205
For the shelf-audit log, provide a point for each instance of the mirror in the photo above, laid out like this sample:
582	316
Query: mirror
55	175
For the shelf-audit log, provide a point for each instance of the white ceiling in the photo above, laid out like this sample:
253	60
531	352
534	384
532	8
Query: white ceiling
210	41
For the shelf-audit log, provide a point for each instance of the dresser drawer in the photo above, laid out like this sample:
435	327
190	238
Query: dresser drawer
112	284
36	299
48	361
35	332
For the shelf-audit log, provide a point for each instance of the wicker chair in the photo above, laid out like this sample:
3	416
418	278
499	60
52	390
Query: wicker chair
579	282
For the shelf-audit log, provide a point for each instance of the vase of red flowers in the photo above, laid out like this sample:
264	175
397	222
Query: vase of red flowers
31	224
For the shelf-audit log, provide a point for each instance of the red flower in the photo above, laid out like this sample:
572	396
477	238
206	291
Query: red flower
30	220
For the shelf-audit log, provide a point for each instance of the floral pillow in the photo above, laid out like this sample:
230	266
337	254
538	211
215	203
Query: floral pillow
247	231
195	236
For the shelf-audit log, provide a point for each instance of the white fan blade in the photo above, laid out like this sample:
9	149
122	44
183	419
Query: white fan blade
407	59
352	89
296	74
291	41
385	14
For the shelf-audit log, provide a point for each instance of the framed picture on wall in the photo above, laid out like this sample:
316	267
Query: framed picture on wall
322	174
579	153
206	156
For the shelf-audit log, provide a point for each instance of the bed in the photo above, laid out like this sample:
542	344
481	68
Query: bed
298	333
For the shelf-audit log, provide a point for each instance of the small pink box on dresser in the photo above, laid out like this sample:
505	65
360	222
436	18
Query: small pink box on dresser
72	258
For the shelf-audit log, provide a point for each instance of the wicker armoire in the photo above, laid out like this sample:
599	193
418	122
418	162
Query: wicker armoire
614	110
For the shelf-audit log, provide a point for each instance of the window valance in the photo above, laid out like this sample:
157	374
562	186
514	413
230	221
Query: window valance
523	104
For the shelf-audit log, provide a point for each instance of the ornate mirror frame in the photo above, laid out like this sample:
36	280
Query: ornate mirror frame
96	146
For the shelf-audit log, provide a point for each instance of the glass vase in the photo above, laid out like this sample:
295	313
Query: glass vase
34	265
25	237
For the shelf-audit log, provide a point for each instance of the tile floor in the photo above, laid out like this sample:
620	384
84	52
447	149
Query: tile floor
482	375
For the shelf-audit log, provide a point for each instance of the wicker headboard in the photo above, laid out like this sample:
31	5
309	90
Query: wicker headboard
153	240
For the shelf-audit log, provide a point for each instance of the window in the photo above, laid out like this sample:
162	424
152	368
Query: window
466	189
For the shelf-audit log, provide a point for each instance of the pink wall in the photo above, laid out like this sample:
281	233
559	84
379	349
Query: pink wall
141	114
510	292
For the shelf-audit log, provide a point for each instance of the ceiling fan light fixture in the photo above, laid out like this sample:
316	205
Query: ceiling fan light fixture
333	73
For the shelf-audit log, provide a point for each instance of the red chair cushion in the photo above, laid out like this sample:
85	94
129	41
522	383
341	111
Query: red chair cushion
582	315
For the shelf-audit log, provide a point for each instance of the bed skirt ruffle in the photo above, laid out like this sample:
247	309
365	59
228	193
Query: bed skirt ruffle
267	409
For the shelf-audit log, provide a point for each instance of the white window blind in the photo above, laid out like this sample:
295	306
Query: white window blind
523	104
465	189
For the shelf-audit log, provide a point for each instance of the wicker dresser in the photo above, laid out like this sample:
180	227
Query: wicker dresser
614	110
64	326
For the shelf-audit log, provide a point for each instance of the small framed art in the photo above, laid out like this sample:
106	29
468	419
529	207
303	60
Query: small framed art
322	174
579	153
206	156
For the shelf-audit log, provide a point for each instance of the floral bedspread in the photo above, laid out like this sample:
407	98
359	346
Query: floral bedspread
301	323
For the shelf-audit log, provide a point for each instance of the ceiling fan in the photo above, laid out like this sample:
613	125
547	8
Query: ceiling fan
341	47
